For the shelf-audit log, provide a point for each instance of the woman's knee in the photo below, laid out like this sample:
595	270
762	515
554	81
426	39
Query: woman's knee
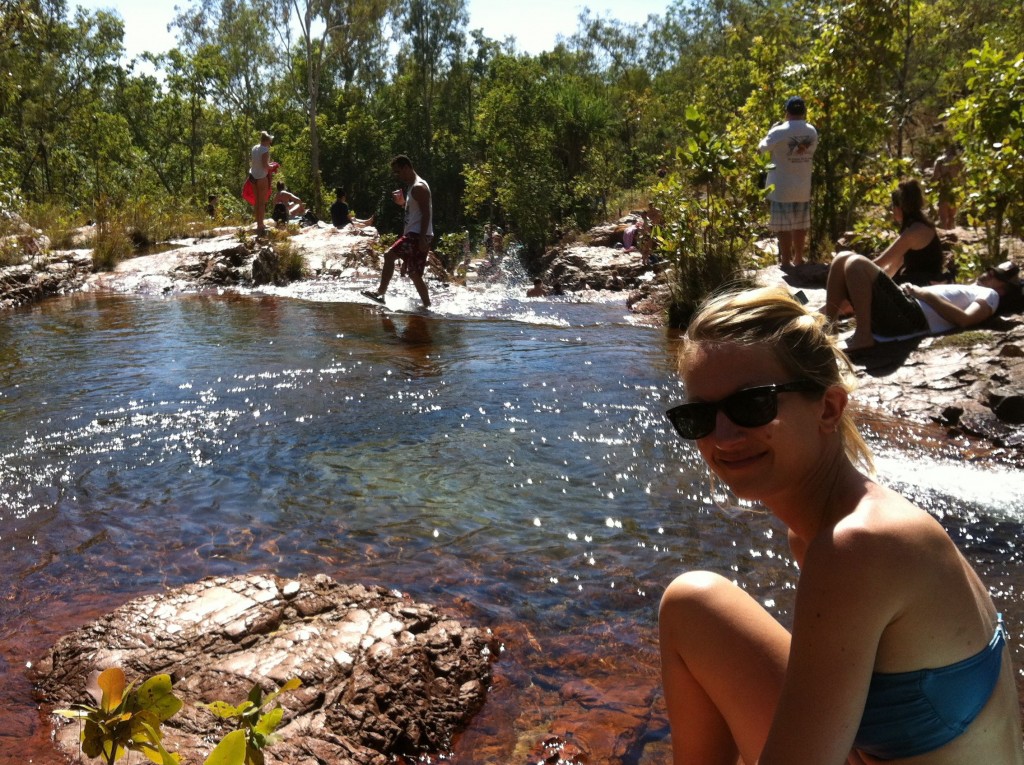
693	592
859	267
845	258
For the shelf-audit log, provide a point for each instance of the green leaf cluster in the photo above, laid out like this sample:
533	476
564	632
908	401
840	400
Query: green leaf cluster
255	721
127	719
706	235
988	123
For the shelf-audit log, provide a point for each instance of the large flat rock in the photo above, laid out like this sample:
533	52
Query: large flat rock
382	677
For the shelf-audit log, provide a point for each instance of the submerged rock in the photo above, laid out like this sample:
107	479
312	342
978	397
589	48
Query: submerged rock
382	677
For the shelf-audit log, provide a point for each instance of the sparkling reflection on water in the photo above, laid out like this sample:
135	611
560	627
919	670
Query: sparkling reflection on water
516	469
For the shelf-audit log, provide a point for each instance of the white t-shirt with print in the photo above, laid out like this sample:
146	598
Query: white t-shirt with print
792	146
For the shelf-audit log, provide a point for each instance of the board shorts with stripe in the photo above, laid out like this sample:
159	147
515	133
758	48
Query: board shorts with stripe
790	216
893	312
414	260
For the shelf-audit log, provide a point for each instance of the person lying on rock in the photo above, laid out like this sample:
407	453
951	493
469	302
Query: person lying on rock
896	649
884	310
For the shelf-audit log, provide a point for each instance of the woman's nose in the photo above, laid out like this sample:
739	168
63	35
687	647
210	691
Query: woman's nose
726	429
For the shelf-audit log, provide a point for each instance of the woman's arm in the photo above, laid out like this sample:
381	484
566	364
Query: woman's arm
975	313
914	237
845	600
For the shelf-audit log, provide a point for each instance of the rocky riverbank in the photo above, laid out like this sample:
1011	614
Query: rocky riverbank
940	389
382	677
961	392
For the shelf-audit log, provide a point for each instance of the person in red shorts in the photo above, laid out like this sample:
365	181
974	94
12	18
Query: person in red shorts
414	244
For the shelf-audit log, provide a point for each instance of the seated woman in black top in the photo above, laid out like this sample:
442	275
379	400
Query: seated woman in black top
916	257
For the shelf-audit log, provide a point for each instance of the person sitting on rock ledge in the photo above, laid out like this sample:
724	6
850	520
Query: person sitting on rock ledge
884	310
883	660
342	215
286	204
630	236
916	256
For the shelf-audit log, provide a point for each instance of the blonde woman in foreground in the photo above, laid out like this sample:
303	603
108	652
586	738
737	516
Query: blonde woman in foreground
897	653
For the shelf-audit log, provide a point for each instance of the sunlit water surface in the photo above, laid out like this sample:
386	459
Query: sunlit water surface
502	457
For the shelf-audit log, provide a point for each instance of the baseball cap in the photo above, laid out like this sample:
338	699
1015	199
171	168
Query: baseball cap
1007	271
796	106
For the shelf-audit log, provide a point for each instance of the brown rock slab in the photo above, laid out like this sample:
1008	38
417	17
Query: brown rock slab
382	677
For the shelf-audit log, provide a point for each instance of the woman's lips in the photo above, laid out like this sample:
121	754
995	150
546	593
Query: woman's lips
738	461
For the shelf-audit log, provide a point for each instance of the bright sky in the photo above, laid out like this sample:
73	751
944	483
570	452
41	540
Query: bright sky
533	23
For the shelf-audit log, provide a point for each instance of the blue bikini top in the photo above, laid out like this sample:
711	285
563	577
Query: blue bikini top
909	713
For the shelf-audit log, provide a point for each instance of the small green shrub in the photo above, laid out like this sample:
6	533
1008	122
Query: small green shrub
126	719
111	243
707	232
255	721
129	720
55	221
449	250
11	254
293	263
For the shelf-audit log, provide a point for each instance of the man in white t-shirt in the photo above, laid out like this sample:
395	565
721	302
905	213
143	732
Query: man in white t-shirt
886	311
791	144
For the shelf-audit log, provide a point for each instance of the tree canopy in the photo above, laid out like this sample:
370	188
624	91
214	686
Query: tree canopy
529	142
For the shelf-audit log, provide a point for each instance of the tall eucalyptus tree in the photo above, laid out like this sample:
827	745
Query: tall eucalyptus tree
433	38
348	34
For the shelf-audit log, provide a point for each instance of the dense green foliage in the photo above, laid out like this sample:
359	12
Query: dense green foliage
535	144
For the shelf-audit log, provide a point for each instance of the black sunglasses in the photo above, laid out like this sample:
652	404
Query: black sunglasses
748	408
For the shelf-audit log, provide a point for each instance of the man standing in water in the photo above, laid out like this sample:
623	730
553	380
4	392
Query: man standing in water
414	244
792	144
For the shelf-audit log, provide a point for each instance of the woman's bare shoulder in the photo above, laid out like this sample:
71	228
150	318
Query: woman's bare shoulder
917	234
882	532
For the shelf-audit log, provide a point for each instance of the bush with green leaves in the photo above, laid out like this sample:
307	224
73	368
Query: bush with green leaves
127	719
988	122
255	721
707	229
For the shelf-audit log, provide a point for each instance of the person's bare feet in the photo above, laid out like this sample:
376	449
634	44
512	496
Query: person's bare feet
856	344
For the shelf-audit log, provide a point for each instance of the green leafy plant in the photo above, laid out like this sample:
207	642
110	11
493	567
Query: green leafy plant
707	230
989	124
255	720
126	719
